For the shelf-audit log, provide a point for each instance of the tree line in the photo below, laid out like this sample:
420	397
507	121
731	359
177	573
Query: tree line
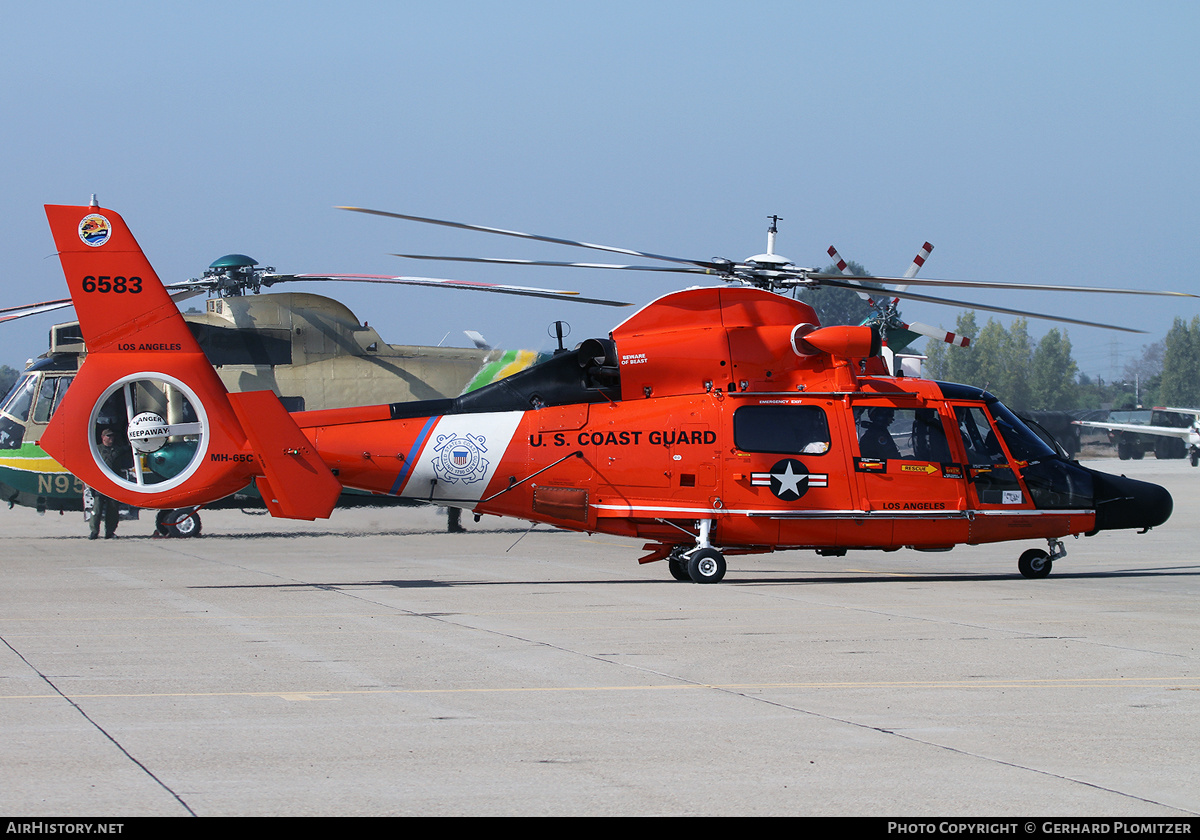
1041	376
1044	376
8	378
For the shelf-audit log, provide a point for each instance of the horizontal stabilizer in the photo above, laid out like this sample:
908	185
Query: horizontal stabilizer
298	484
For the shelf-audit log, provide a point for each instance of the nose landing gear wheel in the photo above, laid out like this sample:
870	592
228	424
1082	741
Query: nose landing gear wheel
706	565
1034	563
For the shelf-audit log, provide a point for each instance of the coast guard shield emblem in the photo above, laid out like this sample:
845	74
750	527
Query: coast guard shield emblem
460	458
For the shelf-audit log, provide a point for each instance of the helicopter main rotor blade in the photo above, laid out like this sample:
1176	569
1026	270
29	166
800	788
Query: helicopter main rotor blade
501	261
996	284
525	291
552	239
987	308
12	313
182	291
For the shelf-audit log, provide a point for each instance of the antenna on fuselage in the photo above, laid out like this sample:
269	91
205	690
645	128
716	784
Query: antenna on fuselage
559	333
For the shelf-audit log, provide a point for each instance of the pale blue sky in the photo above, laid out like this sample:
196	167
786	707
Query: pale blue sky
1048	142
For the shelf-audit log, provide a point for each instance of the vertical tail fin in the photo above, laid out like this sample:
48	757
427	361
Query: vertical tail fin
180	438
116	292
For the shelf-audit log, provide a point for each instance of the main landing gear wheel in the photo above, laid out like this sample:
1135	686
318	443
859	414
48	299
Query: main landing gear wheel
706	565
181	522
1035	563
678	565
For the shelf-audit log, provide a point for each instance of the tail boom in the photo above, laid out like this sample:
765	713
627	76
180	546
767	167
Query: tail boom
146	379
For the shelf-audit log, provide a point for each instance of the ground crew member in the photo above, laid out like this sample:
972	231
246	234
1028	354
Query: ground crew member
104	507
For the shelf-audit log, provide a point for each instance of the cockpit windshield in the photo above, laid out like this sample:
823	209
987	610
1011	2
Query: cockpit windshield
1023	443
20	398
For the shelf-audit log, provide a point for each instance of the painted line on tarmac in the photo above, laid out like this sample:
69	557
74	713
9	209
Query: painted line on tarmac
1167	683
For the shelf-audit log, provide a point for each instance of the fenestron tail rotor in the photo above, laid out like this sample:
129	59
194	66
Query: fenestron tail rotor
166	425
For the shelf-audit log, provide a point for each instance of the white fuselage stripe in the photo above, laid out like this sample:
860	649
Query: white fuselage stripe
896	514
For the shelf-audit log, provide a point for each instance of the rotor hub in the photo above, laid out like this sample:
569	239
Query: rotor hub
234	274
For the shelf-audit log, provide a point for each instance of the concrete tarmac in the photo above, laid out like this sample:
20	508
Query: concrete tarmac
374	664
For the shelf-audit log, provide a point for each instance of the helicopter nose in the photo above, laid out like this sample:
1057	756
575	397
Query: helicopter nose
1127	503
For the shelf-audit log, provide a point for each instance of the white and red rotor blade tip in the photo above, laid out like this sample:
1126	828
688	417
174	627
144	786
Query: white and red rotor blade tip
843	267
919	260
940	335
917	264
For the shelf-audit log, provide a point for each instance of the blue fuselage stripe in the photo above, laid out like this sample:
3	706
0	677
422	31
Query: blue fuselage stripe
410	460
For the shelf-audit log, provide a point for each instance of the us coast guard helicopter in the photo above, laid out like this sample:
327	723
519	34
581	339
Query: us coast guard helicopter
711	423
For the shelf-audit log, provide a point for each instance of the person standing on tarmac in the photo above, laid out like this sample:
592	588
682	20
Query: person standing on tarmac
104	507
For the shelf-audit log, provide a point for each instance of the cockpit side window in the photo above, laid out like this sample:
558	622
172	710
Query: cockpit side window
47	398
790	429
929	437
983	449
64	382
912	434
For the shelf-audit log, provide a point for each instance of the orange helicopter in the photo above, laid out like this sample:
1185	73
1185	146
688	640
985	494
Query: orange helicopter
713	422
